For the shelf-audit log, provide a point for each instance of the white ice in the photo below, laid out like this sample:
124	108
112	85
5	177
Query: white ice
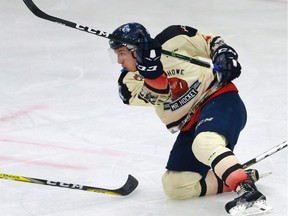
61	118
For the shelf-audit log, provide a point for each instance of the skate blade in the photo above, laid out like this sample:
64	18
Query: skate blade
246	209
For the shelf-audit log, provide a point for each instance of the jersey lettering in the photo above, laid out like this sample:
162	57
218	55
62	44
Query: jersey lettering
174	72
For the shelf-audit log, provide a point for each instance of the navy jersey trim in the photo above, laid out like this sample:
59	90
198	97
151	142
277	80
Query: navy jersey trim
173	31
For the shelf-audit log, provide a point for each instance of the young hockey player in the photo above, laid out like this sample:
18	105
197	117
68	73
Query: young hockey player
201	103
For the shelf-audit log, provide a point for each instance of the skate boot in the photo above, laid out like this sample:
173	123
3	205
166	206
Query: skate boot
249	201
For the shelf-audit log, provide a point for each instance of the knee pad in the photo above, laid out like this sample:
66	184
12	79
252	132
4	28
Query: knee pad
181	185
208	145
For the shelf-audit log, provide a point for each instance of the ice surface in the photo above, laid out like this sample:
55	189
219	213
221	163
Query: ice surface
61	118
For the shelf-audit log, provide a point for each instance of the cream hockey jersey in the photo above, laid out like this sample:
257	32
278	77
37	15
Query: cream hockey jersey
187	82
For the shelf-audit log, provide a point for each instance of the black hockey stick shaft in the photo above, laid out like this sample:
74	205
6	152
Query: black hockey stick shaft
265	154
39	13
129	186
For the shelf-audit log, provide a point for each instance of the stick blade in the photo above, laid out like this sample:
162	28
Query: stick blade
130	185
34	9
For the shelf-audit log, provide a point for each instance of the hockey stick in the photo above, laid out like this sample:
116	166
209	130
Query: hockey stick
39	13
131	183
126	189
265	155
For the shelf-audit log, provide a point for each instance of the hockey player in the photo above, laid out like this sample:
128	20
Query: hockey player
201	103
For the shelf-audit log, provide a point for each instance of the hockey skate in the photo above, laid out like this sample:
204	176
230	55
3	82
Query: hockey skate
249	201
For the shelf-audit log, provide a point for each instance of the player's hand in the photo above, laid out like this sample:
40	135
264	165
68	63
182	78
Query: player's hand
225	58
148	57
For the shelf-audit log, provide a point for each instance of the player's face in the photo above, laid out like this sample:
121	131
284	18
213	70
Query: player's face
125	58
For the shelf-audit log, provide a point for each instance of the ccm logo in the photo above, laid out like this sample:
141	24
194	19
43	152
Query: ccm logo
65	185
92	31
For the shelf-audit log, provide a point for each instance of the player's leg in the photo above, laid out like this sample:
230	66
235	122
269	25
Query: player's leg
186	176
210	148
220	123
187	184
226	165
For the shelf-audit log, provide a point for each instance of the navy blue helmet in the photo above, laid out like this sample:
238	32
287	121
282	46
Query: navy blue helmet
132	31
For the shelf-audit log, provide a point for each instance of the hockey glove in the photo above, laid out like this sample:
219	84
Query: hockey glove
227	59
148	57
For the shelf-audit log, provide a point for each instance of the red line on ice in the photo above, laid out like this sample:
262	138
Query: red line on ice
105	152
18	114
41	163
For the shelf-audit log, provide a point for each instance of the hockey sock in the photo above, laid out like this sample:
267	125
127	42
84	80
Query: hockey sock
227	167
234	175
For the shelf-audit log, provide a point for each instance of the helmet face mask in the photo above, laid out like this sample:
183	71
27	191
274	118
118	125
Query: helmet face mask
132	31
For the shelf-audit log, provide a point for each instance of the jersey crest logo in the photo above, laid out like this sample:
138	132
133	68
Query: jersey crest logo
178	87
186	96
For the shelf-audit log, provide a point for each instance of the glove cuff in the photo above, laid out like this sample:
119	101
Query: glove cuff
151	72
